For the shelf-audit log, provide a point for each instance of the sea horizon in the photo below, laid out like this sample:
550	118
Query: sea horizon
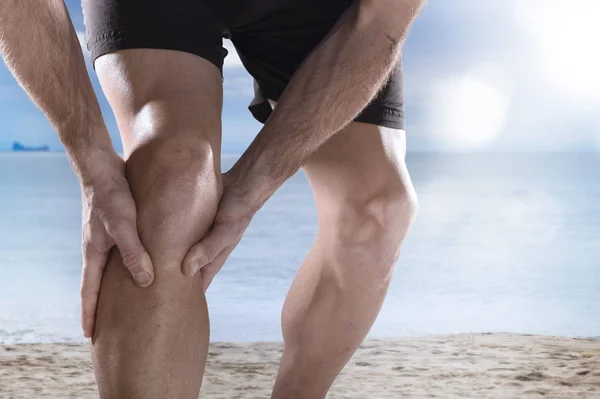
504	243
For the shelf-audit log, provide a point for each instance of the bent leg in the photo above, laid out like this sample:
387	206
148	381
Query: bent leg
365	204
152	342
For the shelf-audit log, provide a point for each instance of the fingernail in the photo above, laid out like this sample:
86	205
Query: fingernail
142	278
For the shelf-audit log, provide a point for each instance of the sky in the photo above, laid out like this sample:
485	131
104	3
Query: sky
496	75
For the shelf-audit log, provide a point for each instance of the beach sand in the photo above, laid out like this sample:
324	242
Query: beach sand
456	366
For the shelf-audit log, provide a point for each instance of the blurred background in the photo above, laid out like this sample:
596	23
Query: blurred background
503	124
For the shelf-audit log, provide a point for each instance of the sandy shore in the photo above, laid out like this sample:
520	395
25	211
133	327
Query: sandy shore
459	366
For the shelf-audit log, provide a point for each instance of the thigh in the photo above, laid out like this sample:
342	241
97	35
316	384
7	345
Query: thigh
358	164
154	92
159	65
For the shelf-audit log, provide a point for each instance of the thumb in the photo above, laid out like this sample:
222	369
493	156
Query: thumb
205	251
199	255
209	271
135	257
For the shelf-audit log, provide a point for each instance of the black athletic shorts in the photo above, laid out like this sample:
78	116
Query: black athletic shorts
272	38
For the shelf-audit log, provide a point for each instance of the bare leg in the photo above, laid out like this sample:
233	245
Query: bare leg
152	342
366	203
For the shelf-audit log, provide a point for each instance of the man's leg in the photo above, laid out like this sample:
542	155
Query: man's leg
365	203
152	342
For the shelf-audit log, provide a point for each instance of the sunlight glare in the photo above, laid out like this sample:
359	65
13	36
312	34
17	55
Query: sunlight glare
470	110
566	34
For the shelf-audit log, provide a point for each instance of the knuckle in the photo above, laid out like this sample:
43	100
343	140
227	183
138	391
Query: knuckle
104	246
117	228
100	243
132	259
96	237
207	253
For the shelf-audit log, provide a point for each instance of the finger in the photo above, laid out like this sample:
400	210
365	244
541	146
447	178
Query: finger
205	251
135	257
91	277
210	271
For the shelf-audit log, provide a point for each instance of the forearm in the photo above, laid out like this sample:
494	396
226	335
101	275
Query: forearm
42	51
328	91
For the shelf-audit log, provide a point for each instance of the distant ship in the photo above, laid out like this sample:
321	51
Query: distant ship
18	147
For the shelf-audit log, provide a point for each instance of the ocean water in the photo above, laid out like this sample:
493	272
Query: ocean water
505	243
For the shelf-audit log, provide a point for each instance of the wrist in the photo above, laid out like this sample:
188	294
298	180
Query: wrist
254	180
97	164
91	153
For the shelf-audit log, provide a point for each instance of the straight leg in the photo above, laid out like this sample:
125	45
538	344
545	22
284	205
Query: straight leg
365	204
152	342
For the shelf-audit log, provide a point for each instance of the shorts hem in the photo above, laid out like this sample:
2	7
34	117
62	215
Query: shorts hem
379	115
382	115
115	40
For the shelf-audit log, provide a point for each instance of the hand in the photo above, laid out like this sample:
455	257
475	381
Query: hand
109	219
233	217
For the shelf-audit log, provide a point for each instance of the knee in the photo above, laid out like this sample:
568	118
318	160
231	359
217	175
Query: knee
176	185
378	223
369	228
